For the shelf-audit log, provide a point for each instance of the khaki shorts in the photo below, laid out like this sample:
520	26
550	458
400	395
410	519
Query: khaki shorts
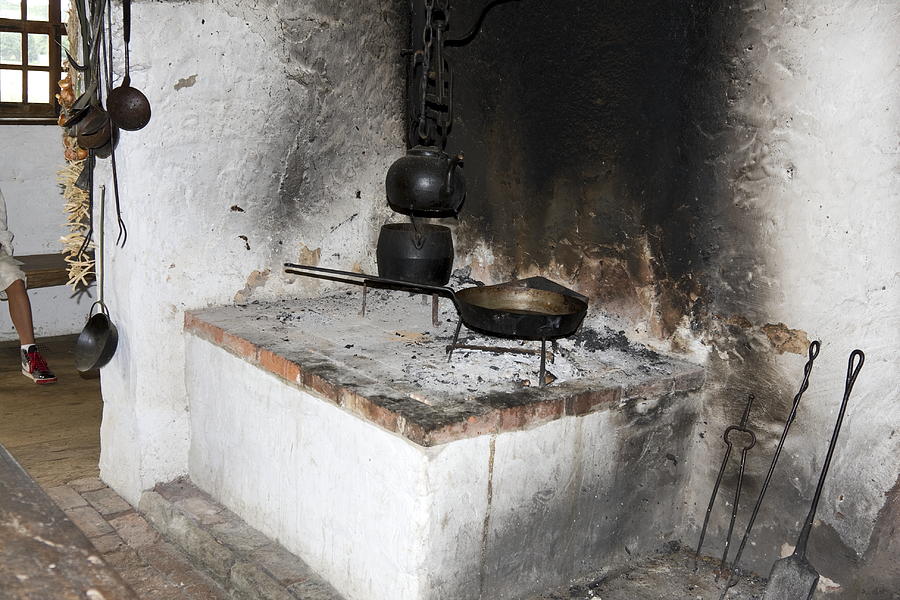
9	272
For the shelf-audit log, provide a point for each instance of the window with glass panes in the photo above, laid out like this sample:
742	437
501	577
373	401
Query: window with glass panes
32	33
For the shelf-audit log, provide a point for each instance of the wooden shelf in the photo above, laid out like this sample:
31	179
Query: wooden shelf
44	270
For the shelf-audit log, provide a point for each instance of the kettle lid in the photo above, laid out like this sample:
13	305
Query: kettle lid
420	150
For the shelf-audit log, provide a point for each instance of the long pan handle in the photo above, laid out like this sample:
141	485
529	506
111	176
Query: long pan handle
309	270
857	358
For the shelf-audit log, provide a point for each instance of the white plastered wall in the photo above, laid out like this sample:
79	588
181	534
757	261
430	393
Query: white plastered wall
833	201
246	163
32	156
814	153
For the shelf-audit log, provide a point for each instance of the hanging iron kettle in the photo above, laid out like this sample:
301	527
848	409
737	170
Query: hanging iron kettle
427	182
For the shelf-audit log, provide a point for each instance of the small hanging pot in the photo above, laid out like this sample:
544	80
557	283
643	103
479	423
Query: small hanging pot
93	119
105	150
415	252
97	342
426	183
95	130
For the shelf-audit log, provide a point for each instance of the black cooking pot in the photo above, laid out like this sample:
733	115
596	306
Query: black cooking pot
426	183
419	253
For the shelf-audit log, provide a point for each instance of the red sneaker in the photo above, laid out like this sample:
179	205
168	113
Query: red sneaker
35	367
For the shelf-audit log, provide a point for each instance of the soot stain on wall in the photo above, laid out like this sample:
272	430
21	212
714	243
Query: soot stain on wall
725	252
575	119
635	470
604	147
346	113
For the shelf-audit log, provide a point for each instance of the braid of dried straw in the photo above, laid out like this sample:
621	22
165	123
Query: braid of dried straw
77	207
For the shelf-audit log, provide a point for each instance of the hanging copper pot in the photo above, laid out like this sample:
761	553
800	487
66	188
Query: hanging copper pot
93	131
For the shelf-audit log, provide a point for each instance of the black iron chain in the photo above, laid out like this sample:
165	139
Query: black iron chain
435	84
427	39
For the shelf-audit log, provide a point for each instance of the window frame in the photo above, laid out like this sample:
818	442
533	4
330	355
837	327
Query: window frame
24	112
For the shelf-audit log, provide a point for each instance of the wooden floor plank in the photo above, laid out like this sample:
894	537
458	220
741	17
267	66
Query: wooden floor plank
52	430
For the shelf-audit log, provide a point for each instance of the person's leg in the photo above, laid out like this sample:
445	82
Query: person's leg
20	312
33	364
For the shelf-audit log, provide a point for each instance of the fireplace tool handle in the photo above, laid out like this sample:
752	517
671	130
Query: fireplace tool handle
740	481
309	270
712	499
857	358
807	370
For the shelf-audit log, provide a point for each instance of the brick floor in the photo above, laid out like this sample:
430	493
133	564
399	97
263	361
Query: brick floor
106	502
154	569
243	560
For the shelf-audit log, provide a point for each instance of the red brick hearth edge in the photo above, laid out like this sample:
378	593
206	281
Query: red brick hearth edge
493	420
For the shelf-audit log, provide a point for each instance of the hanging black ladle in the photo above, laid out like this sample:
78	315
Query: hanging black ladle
127	106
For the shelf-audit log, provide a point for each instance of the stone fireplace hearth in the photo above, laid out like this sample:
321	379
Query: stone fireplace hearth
395	474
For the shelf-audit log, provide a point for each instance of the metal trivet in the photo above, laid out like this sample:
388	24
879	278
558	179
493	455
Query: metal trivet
455	345
435	315
542	377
